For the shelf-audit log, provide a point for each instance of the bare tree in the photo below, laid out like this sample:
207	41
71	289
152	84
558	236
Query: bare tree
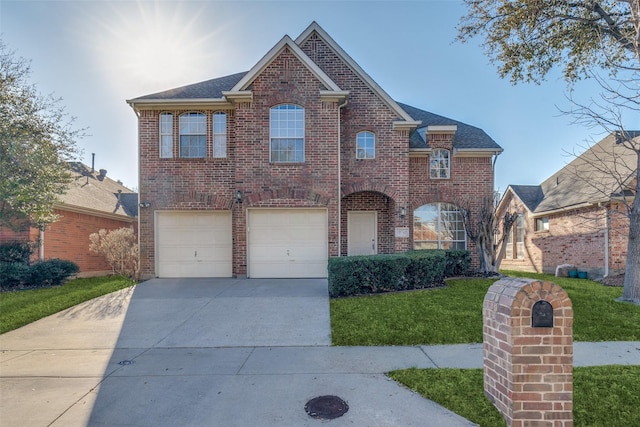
525	39
487	231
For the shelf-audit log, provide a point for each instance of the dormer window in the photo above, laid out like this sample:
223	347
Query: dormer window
365	145
439	164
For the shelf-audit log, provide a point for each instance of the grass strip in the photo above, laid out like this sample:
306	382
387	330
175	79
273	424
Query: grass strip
603	395
18	308
453	315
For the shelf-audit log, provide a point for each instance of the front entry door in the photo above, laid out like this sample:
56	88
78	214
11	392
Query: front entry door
362	233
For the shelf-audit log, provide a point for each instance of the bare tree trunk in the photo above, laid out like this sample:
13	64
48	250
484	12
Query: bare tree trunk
631	290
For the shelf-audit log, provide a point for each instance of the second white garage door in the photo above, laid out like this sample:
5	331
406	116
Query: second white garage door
287	243
194	244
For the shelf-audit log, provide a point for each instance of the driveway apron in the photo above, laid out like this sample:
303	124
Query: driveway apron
203	352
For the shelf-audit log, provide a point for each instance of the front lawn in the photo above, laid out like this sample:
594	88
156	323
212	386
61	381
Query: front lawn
603	395
453	315
18	308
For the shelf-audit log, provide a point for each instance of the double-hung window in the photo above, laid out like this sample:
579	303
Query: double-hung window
286	134
166	135
365	145
439	164
515	249
220	135
193	135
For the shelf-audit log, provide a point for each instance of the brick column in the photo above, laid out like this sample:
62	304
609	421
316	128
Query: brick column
528	357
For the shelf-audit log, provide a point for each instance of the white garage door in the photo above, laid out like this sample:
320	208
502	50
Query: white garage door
287	243
194	244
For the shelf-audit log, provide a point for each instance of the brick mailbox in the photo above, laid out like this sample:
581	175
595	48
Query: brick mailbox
528	352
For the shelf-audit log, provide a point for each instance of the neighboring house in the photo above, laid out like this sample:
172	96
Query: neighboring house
577	216
270	172
92	202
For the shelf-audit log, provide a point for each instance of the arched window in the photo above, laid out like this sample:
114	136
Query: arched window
166	135
438	226
193	135
365	145
286	127
439	164
219	134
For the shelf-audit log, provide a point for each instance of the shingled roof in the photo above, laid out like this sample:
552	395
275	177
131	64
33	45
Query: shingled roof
466	136
604	170
94	191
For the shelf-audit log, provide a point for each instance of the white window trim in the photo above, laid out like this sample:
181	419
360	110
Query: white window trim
439	226
180	134
219	152
439	159
169	134
271	137
373	135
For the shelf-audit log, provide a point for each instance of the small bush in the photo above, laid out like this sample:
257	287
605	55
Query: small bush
53	272
13	275
120	249
18	252
458	263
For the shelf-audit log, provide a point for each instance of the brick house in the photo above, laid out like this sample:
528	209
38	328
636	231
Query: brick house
92	202
269	172
577	216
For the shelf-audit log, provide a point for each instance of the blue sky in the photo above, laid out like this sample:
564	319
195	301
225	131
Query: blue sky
96	54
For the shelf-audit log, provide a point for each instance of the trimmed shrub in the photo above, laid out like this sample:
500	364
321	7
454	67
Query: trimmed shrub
458	263
426	269
358	275
52	272
13	275
19	252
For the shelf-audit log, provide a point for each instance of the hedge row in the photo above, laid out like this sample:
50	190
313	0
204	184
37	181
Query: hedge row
358	275
53	272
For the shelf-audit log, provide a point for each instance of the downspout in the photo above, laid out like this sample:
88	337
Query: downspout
344	104
41	247
606	243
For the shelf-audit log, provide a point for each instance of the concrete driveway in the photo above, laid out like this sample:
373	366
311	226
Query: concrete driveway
204	352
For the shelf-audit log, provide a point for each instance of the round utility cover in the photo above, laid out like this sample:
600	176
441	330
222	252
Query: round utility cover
326	407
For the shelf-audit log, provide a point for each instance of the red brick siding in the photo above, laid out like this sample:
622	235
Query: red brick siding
574	237
528	371
68	238
471	180
198	184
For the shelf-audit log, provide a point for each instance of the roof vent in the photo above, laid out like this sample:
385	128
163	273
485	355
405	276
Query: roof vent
103	174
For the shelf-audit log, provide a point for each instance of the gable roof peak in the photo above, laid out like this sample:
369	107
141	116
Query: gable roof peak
285	42
315	28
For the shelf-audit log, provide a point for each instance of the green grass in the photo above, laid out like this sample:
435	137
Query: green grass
19	308
453	315
603	395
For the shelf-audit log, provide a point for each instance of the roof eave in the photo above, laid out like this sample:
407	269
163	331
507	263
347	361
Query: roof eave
154	104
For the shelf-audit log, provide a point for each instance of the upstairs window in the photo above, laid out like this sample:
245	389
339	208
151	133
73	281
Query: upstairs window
166	135
438	226
365	145
439	164
193	135
220	135
287	134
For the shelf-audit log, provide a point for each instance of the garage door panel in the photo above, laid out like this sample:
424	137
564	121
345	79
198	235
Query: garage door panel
288	243
194	244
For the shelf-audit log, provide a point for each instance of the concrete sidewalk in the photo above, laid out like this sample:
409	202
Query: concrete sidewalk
222	352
